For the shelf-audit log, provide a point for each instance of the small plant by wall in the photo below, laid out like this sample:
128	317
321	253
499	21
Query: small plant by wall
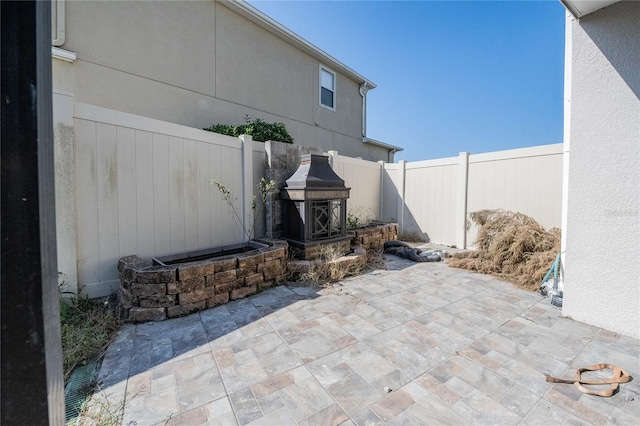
258	129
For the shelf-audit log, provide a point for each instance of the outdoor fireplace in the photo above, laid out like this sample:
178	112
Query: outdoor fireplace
316	208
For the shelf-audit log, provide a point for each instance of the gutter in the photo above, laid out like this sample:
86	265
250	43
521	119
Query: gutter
59	22
364	88
391	149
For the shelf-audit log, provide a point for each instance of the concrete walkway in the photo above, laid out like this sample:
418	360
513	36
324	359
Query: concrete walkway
414	344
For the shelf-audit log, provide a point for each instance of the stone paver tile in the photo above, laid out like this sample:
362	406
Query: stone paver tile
198	384
574	327
391	405
519	400
224	357
485	381
449	368
329	416
280	417
272	352
575	407
476	356
353	394
435	387
483	409
163	383
429	411
272	385
151	409
242	375
254	329
140	384
270	403
148	352
245	406
219	412
195	417
330	369
621	408
305	397
367	418
394	380
545	413
525	376
359	327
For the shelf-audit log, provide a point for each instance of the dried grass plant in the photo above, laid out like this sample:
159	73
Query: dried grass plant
511	246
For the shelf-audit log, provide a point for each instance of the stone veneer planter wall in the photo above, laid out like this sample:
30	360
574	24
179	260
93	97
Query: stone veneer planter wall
373	237
153	293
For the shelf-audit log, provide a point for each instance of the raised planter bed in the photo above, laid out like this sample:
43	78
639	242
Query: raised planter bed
374	235
177	285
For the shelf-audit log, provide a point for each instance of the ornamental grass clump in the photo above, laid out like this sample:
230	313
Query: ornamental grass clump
511	246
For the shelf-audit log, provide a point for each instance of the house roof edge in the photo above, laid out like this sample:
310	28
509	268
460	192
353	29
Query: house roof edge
245	9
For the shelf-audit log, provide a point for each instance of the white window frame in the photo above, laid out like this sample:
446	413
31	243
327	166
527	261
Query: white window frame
335	84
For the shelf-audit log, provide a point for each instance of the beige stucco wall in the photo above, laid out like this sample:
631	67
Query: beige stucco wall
198	63
602	213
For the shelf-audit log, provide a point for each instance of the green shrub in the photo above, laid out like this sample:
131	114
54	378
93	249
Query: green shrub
260	130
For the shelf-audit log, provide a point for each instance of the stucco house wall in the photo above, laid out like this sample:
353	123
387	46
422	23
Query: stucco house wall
198	63
602	183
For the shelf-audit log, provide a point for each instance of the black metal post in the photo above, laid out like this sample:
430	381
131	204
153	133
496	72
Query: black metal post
31	364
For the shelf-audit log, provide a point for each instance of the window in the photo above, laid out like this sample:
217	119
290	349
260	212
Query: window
327	88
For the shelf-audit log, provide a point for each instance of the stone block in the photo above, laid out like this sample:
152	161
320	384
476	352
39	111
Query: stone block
156	274
228	286
195	270
271	270
246	271
253	279
138	289
224	263
158	301
195	296
250	260
132	261
221	277
239	293
138	314
185	286
266	284
126	299
273	253
218	299
298	266
181	310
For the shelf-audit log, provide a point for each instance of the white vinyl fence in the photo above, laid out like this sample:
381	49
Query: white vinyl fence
127	184
363	177
144	187
433	198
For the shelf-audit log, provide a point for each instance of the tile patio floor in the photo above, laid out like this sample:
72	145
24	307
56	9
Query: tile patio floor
454	348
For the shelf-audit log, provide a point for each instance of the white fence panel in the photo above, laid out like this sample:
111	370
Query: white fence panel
527	180
391	192
364	179
143	187
430	200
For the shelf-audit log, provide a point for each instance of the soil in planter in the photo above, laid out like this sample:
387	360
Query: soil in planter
210	256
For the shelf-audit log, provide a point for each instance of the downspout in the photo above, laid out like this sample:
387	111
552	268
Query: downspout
59	22
364	88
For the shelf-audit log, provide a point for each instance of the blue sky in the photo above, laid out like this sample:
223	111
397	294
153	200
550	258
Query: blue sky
452	76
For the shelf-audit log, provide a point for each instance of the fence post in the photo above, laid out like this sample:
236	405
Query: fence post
401	203
381	192
461	203
247	184
332	159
